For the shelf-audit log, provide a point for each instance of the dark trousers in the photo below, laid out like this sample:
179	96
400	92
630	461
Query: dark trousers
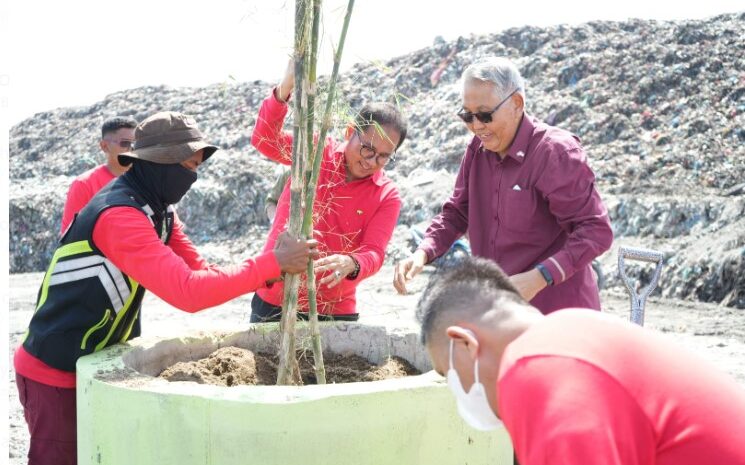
50	415
264	312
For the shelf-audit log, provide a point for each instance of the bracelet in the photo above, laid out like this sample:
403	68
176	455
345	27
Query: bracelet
546	274
356	272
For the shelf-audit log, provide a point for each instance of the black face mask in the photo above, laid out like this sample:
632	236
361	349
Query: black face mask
160	184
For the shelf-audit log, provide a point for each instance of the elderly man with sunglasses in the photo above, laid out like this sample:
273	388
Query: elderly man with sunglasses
356	208
117	136
524	194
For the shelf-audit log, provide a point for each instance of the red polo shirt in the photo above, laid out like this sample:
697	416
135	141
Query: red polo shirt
82	189
351	218
583	388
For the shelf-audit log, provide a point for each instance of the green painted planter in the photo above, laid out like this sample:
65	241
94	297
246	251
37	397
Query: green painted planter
127	416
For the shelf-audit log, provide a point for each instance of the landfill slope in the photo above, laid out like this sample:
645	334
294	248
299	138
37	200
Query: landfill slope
659	107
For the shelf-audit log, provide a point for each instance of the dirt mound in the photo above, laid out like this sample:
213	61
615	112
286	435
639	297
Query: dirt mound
227	366
233	366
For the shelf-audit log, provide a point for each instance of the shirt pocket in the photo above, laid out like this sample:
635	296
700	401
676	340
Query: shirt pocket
518	210
351	221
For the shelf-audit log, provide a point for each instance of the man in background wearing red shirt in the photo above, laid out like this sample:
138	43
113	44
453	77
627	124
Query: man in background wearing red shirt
576	386
356	207
117	136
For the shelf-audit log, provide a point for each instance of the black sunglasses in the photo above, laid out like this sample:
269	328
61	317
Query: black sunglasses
483	116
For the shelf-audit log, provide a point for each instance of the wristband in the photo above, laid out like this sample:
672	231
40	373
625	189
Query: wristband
356	272
546	274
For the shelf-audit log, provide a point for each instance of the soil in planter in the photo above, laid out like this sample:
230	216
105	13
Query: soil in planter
232	366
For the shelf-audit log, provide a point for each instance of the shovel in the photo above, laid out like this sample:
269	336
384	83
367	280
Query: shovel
639	299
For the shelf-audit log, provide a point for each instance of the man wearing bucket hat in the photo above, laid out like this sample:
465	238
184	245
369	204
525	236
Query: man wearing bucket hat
126	240
575	386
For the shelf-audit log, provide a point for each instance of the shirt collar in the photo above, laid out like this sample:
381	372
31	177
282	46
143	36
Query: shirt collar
519	148
378	178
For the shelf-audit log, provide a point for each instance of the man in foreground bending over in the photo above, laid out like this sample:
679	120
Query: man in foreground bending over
576	386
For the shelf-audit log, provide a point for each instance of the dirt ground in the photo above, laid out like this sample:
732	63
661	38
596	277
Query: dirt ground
715	333
234	366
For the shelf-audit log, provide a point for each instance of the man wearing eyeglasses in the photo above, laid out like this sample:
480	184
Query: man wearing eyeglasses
524	194
117	136
356	208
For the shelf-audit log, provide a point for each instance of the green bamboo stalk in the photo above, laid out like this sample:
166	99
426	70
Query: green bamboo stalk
310	91
315	330
287	360
310	193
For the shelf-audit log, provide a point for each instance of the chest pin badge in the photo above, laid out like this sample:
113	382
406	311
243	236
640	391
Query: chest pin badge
359	212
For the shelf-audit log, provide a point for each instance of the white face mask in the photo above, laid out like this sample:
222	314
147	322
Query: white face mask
473	406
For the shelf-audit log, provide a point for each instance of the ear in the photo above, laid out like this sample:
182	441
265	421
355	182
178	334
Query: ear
349	132
104	146
467	337
518	101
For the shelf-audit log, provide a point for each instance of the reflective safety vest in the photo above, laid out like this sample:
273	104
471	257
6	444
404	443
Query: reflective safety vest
85	302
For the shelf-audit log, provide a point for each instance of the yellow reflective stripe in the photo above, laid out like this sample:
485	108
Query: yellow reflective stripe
66	250
125	336
95	328
120	315
134	286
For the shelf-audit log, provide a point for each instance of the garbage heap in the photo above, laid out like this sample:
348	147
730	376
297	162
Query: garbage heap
659	107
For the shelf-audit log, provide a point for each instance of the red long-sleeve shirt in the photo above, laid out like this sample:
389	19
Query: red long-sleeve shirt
82	189
354	218
175	272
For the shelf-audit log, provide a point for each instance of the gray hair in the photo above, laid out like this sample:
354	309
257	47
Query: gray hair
498	71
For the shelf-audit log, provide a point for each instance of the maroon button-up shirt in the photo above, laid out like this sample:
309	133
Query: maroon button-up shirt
537	205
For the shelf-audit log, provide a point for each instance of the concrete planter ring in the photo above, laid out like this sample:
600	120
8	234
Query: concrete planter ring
126	415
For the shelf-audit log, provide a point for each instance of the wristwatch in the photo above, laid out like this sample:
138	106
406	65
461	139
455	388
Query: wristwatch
356	272
546	274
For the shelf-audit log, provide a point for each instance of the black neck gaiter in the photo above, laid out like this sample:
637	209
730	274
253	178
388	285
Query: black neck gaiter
160	185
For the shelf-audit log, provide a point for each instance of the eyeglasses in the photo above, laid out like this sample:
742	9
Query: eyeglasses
483	116
368	152
125	144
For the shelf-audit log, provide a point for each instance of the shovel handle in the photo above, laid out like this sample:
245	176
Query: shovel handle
643	255
638	299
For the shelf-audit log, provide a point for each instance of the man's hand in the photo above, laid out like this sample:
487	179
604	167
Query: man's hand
293	254
337	266
529	283
407	269
284	89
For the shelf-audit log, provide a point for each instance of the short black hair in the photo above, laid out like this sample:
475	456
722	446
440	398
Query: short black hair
116	123
379	114
470	285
